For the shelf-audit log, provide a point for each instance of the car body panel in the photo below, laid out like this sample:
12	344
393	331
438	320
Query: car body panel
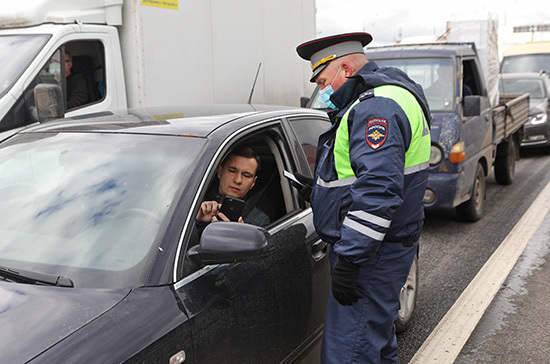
40	316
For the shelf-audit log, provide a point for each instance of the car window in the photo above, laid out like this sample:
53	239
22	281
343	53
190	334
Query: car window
272	193
308	131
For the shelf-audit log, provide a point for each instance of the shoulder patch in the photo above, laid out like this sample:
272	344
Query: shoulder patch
377	131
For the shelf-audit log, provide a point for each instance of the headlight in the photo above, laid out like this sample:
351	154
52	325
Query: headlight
538	119
435	155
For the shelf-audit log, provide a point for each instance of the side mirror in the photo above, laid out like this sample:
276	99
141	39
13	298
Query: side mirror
304	101
49	102
471	105
230	242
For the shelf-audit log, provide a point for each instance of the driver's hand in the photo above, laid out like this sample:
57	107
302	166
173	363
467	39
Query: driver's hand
208	211
222	217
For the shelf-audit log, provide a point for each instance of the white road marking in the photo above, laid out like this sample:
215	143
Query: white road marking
451	334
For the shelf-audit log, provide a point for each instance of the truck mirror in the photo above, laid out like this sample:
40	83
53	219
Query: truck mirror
471	105
48	99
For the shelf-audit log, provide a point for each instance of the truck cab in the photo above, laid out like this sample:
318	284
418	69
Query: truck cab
36	54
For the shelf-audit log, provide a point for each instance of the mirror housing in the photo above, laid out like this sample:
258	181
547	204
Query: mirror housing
471	105
231	242
303	101
48	99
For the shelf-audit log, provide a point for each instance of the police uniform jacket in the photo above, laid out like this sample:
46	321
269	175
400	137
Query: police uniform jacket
372	164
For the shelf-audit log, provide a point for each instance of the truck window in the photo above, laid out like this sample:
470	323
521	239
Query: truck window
83	72
471	78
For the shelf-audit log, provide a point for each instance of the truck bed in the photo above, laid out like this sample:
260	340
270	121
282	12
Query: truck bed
510	115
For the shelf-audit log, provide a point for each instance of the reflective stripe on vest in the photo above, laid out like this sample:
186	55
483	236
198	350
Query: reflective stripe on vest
417	155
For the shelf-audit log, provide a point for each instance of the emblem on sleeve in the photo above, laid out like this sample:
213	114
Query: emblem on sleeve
377	130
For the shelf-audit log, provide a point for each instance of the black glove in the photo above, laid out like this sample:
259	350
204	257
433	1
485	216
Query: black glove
344	282
304	190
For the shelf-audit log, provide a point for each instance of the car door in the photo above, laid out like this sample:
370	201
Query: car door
269	310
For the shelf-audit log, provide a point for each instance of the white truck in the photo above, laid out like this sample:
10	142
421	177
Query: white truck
152	53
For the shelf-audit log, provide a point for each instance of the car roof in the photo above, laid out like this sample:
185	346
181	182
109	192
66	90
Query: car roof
192	120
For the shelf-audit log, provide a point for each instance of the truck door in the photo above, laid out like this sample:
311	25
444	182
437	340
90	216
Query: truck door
477	130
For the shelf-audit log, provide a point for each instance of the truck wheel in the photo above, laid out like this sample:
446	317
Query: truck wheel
472	210
407	299
505	163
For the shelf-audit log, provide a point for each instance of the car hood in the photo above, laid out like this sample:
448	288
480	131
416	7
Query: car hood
33	318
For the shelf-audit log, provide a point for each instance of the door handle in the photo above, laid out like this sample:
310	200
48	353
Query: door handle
319	249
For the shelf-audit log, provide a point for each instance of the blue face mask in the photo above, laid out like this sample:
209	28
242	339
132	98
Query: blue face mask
325	96
328	91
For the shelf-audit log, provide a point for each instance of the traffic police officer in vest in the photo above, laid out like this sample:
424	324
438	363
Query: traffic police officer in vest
367	196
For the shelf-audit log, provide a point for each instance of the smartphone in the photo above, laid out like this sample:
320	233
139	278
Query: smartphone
232	207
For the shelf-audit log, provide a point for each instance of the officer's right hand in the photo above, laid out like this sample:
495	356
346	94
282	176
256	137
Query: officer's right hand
307	185
344	282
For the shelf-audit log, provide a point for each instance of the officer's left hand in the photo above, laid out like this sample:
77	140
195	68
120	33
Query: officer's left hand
306	186
344	282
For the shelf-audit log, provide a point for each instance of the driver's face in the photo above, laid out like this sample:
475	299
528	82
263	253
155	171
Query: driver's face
237	176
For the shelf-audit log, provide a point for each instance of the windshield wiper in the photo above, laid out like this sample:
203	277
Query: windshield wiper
27	276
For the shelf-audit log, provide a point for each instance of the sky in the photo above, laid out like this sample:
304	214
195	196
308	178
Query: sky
390	20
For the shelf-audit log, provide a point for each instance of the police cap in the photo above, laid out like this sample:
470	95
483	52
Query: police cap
320	52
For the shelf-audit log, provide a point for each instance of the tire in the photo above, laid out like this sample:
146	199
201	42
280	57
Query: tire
505	163
407	299
472	210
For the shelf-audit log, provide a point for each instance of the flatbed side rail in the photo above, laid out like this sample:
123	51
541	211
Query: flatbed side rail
510	115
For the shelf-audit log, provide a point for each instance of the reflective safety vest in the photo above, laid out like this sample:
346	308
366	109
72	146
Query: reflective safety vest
417	155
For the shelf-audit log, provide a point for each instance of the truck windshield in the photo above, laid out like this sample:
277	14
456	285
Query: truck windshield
435	75
16	53
526	63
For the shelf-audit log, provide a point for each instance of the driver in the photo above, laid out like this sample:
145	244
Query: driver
236	174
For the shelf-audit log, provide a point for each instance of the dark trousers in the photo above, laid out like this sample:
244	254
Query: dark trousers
365	331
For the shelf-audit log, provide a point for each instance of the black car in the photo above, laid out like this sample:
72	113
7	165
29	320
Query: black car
98	263
100	260
536	133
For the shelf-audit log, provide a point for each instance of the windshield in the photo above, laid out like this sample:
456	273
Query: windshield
526	63
89	207
16	53
435	75
532	86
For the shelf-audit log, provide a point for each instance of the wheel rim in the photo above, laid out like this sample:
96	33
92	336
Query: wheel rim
478	191
407	297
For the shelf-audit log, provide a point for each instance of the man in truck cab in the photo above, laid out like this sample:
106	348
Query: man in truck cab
367	198
77	86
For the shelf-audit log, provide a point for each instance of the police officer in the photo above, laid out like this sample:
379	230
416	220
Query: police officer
367	196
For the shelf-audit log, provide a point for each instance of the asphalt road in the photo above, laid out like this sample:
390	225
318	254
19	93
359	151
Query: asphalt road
452	252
